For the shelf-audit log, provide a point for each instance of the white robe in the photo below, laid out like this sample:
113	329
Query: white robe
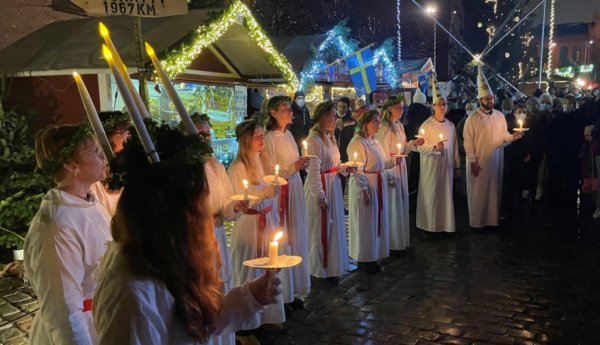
281	148
64	245
369	240
107	198
435	207
484	140
244	245
328	157
397	179
136	310
220	200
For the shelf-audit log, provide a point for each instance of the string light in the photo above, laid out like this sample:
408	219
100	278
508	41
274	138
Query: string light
398	34
177	60
551	37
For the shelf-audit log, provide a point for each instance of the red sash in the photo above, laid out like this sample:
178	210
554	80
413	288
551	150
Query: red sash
324	216
284	205
260	232
88	304
379	198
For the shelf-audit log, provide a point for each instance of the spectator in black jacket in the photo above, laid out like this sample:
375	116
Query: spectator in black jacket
301	121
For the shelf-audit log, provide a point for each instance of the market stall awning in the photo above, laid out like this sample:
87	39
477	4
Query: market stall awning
413	66
62	47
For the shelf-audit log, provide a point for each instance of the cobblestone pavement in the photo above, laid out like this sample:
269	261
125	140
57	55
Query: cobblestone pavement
534	280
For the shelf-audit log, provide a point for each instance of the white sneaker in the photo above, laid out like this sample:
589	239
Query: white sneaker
596	214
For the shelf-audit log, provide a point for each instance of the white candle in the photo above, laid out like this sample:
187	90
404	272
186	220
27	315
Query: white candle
121	66
305	145
399	146
520	123
355	156
168	86
441	137
275	180
245	183
274	248
92	115
138	122
422	132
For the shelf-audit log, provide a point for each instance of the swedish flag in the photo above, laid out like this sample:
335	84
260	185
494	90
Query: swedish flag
362	71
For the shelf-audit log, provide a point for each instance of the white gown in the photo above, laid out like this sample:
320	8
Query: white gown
64	246
335	228
398	185
485	137
281	148
108	199
244	240
435	207
369	232
135	310
219	198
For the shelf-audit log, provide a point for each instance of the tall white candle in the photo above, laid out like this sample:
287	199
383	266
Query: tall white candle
92	115
138	122
305	145
168	86
121	66
245	183
520	123
274	248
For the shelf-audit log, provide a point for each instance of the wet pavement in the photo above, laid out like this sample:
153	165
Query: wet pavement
533	280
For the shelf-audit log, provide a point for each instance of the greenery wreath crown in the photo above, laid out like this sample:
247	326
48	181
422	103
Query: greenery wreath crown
81	134
111	120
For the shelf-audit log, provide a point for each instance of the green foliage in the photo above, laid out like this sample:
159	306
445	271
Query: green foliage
22	187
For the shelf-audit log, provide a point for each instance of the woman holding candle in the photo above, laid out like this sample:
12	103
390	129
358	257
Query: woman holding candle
67	237
368	219
324	198
159	281
393	141
281	149
253	231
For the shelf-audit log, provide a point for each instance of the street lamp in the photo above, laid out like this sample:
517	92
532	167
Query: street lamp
430	10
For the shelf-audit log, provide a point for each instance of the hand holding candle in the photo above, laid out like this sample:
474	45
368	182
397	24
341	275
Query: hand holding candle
245	183
274	248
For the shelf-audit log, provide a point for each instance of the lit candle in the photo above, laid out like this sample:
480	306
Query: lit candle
92	115
121	67
441	137
355	156
399	146
245	183
305	145
138	122
274	248
168	86
520	123
276	173
422	132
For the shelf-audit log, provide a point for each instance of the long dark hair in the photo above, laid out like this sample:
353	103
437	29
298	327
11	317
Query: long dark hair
164	225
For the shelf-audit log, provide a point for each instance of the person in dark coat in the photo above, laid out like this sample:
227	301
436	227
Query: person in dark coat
416	114
345	126
301	123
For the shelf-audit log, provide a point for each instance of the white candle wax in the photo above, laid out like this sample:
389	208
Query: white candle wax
121	66
305	145
245	183
274	248
355	156
92	115
168	86
138	122
422	132
441	137
275	180
399	146
520	123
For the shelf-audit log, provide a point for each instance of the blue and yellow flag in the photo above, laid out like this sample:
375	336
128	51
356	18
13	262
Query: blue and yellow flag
362	71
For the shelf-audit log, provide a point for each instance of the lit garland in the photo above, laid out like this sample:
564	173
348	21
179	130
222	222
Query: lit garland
551	43
398	33
177	60
383	55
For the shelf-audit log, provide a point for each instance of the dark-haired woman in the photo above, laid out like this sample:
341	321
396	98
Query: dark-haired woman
281	149
368	220
159	281
324	198
67	237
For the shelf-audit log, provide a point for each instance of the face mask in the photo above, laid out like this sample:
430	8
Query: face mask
300	102
544	106
567	108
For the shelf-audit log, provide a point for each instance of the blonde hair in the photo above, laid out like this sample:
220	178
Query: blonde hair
245	133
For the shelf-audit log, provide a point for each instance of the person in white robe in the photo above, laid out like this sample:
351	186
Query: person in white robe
367	196
281	150
223	209
253	231
328	247
439	159
67	237
485	135
393	141
159	283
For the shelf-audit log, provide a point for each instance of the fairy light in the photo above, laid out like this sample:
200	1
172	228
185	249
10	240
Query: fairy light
398	34
551	36
178	60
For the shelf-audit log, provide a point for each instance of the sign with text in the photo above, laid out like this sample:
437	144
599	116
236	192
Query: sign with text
137	8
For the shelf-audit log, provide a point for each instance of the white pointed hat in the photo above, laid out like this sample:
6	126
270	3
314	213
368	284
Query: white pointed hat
419	96
483	88
436	92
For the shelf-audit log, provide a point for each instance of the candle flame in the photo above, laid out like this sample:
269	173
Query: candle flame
106	52
277	169
422	131
355	155
278	236
245	182
399	146
305	144
149	49
520	122
75	74
103	29
441	136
